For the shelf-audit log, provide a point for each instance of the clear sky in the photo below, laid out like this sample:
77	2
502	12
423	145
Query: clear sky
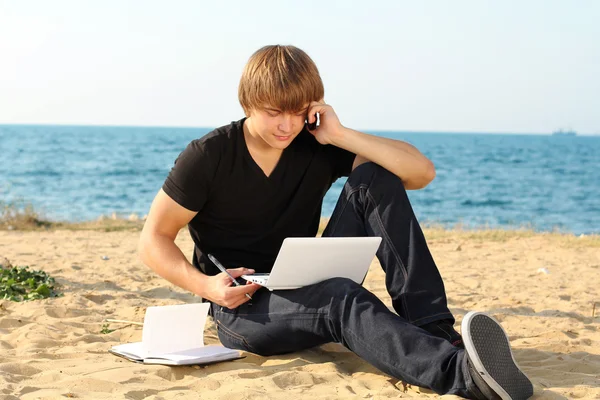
466	66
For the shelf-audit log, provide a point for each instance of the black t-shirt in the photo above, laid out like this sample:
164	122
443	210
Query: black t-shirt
243	215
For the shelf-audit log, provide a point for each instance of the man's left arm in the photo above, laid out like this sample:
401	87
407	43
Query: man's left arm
400	158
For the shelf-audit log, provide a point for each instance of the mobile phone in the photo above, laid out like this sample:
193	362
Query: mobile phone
313	126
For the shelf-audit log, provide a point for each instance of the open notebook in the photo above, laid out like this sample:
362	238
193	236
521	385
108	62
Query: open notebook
174	335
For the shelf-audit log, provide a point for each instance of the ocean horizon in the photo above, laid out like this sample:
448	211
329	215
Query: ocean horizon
208	129
498	180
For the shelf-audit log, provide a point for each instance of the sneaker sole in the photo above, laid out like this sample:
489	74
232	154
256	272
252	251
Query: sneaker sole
488	349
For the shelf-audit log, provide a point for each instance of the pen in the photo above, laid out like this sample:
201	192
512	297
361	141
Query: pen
222	268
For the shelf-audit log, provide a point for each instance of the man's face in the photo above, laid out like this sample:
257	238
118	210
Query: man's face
275	127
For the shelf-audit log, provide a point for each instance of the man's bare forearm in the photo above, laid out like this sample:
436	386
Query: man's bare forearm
162	255
400	158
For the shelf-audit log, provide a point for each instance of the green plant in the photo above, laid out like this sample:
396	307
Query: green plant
105	330
21	284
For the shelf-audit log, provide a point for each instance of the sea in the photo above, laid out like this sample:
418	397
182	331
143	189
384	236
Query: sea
541	182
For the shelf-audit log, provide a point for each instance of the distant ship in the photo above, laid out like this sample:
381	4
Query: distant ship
562	132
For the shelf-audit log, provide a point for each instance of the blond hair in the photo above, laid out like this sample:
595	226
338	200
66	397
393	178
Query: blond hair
282	77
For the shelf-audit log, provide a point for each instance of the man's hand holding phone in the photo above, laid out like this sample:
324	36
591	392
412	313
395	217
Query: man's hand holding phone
329	128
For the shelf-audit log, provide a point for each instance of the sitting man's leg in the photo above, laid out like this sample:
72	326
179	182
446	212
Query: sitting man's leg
374	203
340	310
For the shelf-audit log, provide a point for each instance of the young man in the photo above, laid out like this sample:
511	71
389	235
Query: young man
246	186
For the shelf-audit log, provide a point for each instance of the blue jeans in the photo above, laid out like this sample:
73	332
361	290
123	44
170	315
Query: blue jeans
373	203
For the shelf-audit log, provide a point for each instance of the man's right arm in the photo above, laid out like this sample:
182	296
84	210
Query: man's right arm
157	249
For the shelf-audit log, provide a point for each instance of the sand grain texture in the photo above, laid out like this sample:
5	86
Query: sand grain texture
53	348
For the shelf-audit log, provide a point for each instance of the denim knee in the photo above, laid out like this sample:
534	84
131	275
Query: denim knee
339	286
341	292
369	171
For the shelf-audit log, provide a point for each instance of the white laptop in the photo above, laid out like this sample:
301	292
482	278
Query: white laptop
303	261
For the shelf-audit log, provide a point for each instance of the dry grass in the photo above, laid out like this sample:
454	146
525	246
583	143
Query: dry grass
20	216
23	217
504	235
487	234
106	225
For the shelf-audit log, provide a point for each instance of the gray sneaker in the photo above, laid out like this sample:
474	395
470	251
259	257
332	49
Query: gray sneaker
493	366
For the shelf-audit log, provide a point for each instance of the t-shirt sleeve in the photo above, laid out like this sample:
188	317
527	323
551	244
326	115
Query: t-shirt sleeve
189	181
341	160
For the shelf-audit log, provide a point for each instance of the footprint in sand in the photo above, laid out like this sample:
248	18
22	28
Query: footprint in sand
98	298
140	394
254	374
294	379
169	374
63	312
19	371
6	323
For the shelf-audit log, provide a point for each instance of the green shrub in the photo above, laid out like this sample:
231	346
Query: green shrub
21	284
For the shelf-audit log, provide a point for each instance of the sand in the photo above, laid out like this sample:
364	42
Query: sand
54	348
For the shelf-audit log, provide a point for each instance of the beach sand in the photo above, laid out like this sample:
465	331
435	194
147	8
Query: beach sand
54	348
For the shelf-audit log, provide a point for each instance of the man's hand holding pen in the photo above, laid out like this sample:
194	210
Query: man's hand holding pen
224	289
